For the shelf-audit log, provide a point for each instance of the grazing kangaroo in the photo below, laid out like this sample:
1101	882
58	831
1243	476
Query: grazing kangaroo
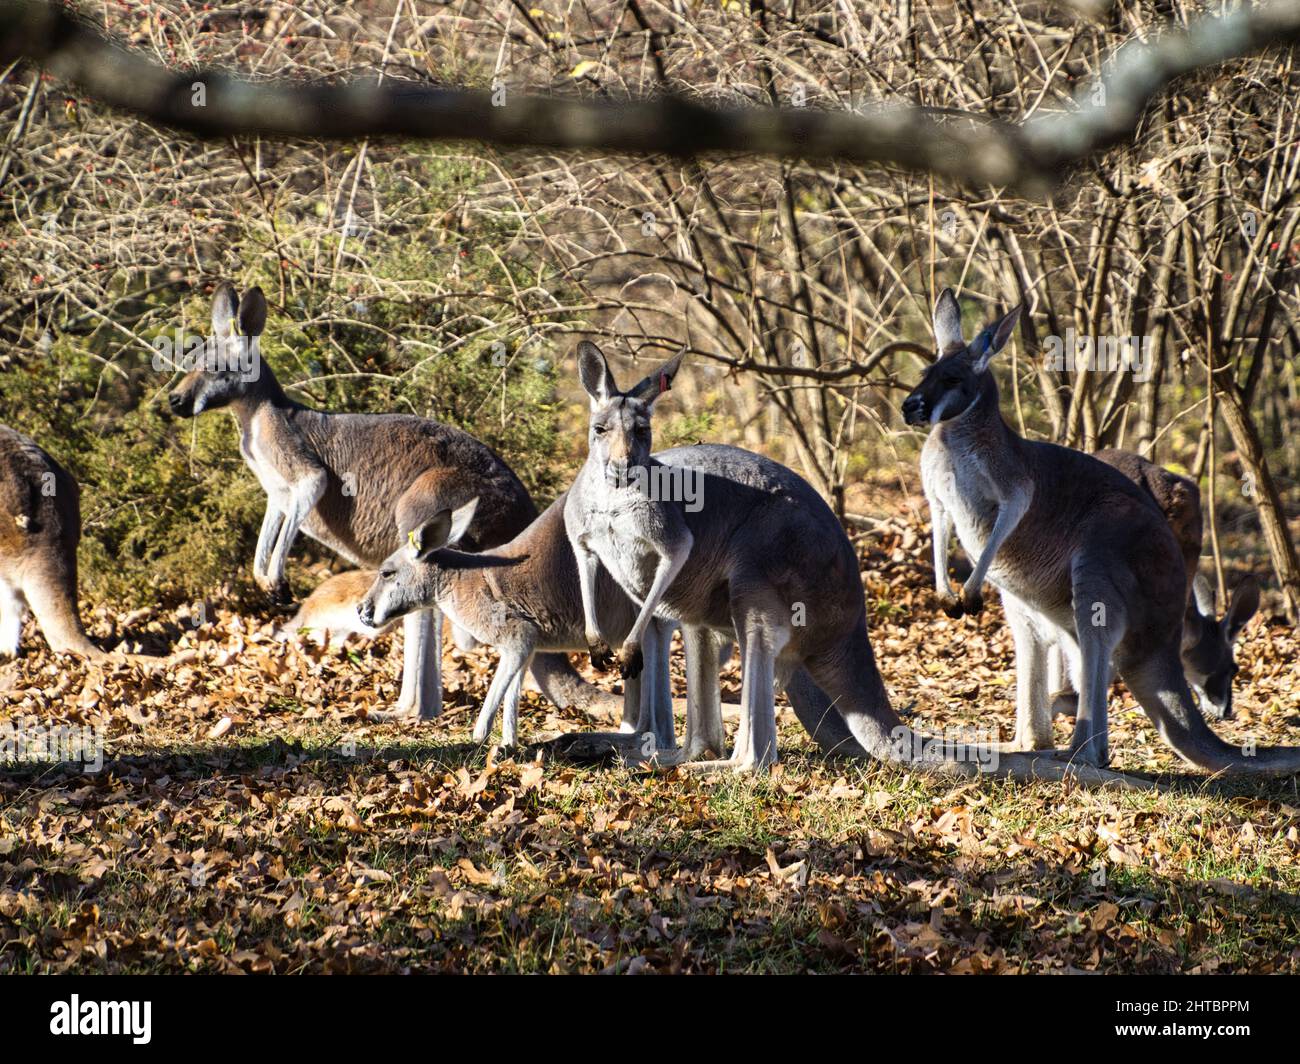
358	483
40	527
761	559
330	612
1206	648
1081	552
520	598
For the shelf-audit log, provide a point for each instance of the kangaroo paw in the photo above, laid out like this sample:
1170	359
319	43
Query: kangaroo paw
630	661
602	657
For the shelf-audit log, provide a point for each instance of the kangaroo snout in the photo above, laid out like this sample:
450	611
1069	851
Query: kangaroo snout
914	410
366	611
181	403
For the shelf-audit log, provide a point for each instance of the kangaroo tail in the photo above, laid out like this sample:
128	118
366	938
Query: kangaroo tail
848	674
561	683
1157	682
53	599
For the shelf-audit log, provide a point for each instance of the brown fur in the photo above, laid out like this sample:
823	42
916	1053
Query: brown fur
40	527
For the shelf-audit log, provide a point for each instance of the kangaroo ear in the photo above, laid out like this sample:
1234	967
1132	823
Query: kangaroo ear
947	323
225	305
252	313
1204	596
1244	604
993	339
424	539
653	386
461	519
594	373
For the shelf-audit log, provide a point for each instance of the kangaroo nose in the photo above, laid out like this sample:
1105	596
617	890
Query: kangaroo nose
913	408
177	402
367	614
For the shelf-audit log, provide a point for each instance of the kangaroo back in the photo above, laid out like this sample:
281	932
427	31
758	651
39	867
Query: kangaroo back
1178	498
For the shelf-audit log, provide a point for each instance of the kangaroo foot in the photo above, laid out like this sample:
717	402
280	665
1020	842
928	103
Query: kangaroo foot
1093	752
951	604
404	714
278	592
1023	746
735	765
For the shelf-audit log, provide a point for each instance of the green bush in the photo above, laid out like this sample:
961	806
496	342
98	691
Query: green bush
170	512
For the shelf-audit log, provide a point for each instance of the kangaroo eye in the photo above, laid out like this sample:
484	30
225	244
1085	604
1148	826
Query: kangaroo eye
387	574
600	430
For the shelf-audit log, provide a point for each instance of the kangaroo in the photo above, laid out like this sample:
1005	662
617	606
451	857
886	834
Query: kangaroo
1207	642
1082	553
521	598
358	483
40	527
330	612
761	558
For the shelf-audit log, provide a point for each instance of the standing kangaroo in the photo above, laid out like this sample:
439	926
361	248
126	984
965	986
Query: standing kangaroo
1082	554
40	527
521	598
524	596
1206	648
358	483
761	559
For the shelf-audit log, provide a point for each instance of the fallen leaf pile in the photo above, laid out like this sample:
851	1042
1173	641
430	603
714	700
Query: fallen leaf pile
249	817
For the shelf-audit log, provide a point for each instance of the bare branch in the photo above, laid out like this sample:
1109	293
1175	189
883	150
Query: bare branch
964	147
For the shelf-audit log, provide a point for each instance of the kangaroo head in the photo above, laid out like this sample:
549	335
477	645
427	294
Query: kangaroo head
407	580
230	365
619	436
954	380
1207	651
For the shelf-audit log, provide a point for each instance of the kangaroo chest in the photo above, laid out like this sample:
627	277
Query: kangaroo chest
964	488
256	457
616	533
260	455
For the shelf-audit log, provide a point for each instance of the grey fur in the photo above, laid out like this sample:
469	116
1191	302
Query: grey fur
1082	550
1207	644
767	562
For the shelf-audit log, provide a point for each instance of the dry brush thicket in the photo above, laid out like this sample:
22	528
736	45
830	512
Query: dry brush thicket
803	287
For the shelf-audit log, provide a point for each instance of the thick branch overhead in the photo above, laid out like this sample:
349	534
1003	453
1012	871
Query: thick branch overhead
971	149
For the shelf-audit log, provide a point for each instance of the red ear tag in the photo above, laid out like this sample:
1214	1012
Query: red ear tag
663	382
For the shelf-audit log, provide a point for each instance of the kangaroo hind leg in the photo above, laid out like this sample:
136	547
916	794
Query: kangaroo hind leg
763	636
1100	621
1033	712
